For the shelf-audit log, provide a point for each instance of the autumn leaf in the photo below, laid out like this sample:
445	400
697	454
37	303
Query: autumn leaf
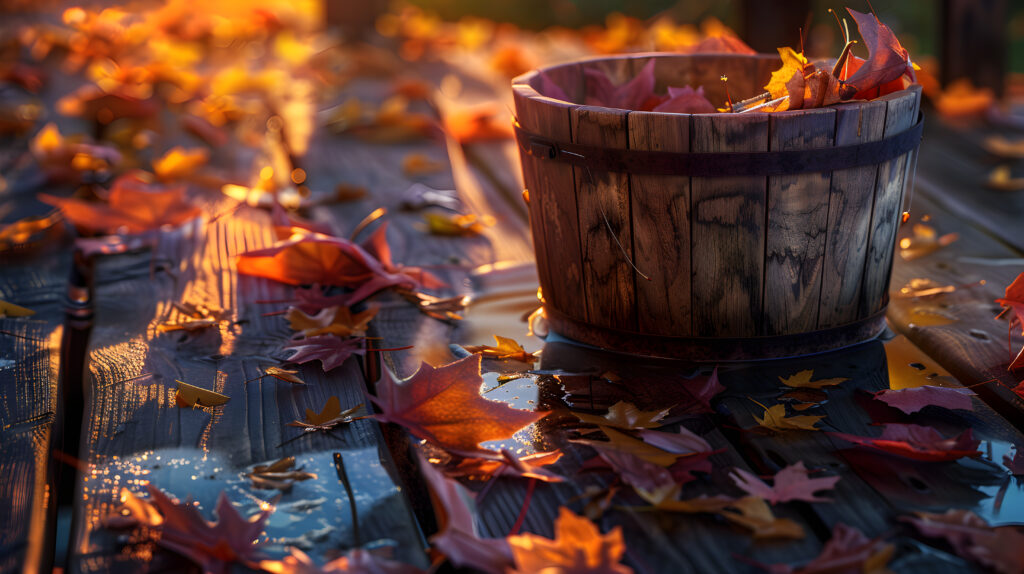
486	122
1004	148
791	483
720	44
686	100
636	94
668	500
632	470
329	416
189	396
64	158
887	61
1001	179
12	310
339	321
755	515
457	536
290	376
443	405
703	389
775	418
682	442
623	415
802	380
1013	303
925	240
29	230
914	399
620	442
331	351
278	475
417	164
504	349
179	163
848	550
134	205
183	530
319	259
457	224
507	464
999	548
578	546
793	62
917	442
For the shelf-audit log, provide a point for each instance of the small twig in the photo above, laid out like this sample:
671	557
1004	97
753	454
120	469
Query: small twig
367	221
526	507
339	466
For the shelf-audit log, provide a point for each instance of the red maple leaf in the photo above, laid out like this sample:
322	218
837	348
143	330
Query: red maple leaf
847	551
325	260
1014	303
133	205
457	538
916	398
887	60
211	545
791	483
443	405
917	442
686	100
331	351
636	94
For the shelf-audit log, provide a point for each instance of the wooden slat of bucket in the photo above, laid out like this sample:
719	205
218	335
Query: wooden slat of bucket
901	113
797	219
727	250
604	219
661	227
851	197
553	212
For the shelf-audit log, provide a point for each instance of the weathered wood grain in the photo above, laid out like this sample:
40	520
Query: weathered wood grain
727	249
606	239
849	217
901	113
661	227
797	224
554	213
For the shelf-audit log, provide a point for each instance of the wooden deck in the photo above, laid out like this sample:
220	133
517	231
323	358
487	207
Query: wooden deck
132	432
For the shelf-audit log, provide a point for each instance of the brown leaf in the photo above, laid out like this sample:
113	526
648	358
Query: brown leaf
802	380
623	415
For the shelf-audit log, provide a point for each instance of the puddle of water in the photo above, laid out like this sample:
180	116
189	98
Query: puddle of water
504	293
1005	502
909	367
314	515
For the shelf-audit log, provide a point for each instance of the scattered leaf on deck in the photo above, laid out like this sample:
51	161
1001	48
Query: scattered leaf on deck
12	310
917	442
916	398
578	546
182	529
179	163
507	464
999	548
331	351
329	417
791	483
1001	178
775	418
802	380
443	405
623	415
848	550
1004	148
339	321
456	224
189	396
504	349
417	164
754	514
278	475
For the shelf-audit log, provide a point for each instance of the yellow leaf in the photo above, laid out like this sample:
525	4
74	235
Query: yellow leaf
1002	180
803	380
12	310
667	499
621	442
754	513
419	164
179	162
792	63
625	415
457	224
284	375
337	320
775	418
505	349
193	396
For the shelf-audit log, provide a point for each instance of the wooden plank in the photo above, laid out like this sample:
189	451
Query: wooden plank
901	113
606	239
727	249
661	227
553	204
959	329
797	224
849	217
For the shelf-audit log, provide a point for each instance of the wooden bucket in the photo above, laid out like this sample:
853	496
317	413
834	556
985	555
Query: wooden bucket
777	262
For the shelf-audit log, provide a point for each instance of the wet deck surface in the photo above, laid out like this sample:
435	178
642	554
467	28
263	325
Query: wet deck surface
132	431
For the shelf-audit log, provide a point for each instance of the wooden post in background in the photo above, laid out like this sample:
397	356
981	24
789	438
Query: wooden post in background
974	42
768	25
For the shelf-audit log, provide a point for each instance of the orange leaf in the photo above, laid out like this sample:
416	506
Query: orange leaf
578	546
337	320
888	60
443	405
